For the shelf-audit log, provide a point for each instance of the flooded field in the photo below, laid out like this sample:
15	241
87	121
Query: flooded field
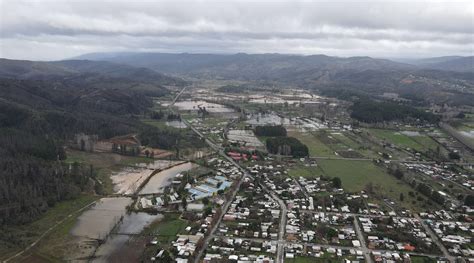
98	221
161	179
132	224
129	179
304	98
176	124
411	133
194	105
267	119
469	134
244	137
307	124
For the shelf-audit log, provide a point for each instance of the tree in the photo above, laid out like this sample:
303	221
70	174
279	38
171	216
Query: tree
454	156
469	201
336	182
184	203
166	257
398	173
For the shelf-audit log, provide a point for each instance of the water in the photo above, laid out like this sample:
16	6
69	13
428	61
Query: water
98	221
161	179
245	137
469	134
133	223
195	104
176	124
129	179
410	133
268	119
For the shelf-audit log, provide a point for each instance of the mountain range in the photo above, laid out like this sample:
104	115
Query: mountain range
432	80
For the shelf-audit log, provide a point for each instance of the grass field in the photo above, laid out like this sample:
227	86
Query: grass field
356	175
315	146
167	228
419	142
304	171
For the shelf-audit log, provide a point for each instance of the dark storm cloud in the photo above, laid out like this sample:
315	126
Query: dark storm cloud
58	29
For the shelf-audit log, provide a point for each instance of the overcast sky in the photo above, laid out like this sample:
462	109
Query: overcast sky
51	30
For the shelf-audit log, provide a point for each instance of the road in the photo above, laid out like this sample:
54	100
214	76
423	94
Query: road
361	238
435	239
283	208
177	97
282	226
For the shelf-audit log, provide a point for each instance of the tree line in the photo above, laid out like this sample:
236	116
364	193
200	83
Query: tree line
270	131
370	111
287	146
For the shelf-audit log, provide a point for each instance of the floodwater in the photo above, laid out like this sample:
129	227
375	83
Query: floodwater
129	179
245	137
161	179
267	119
195	104
469	134
133	223
176	124
410	133
98	221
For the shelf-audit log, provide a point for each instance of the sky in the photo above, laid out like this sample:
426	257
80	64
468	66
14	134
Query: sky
60	29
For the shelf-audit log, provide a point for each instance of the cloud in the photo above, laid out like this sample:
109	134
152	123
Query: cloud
58	29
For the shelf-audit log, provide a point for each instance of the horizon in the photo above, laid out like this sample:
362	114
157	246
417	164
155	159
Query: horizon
78	57
57	30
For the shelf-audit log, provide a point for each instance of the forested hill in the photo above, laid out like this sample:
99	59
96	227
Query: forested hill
249	66
23	69
438	80
42	106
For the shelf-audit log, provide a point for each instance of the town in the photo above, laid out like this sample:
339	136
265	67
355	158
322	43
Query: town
328	190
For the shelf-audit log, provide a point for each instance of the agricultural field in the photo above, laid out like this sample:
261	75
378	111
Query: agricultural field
345	144
315	146
406	139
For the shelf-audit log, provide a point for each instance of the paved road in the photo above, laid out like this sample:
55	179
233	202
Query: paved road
435	239
283	208
210	234
282	227
361	238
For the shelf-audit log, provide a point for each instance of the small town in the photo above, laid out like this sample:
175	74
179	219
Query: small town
205	131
